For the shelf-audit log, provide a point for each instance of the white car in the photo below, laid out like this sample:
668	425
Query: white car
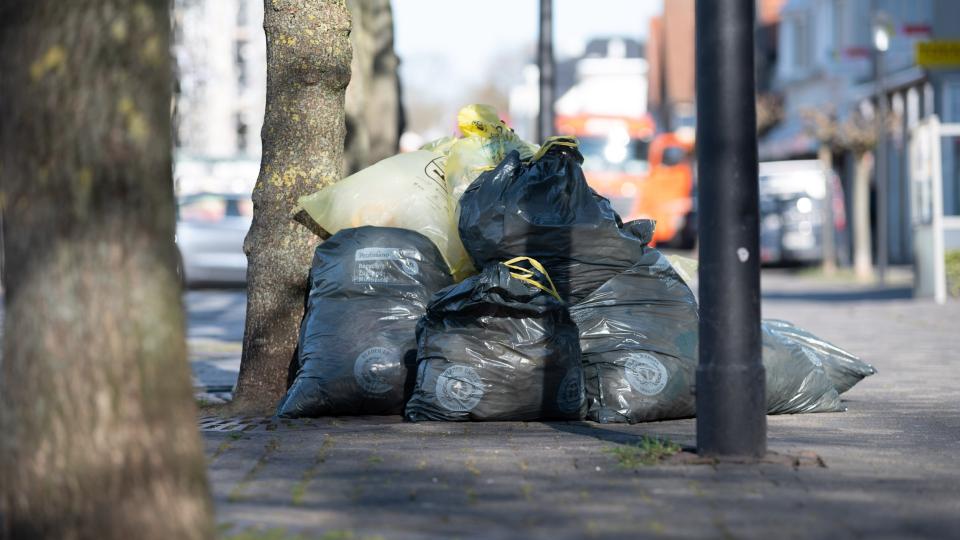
211	228
793	199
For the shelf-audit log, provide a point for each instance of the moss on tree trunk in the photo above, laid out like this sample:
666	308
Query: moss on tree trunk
98	436
308	68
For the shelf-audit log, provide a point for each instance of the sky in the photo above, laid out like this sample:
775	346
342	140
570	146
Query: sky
446	46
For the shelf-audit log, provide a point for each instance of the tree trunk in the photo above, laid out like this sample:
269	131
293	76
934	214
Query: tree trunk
384	111
98	436
829	264
374	113
308	68
862	257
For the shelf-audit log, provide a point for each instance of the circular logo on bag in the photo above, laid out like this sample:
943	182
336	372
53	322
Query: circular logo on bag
459	388
570	393
374	369
645	374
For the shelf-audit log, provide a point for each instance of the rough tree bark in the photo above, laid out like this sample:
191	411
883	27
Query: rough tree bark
308	68
98	436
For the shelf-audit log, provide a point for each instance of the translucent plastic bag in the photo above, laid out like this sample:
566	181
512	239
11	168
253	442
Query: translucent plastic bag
486	141
407	191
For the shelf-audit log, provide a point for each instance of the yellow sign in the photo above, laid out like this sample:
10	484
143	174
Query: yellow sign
934	54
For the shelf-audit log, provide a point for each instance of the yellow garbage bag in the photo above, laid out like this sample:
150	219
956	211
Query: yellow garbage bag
486	141
407	191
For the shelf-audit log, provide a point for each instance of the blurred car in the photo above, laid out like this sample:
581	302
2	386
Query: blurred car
793	199
211	228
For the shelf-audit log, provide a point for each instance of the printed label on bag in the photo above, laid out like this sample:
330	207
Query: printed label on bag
373	264
374	369
645	374
459	388
570	392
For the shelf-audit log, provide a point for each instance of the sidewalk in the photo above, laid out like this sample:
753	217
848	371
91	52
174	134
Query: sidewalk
891	469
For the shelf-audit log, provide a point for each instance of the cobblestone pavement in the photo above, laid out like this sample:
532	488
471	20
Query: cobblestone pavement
891	469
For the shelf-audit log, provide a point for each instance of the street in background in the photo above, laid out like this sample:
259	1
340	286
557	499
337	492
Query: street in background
210	232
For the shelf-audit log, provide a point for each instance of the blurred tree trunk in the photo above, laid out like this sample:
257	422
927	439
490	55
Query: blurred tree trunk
829	262
862	253
98	436
308	68
824	127
374	113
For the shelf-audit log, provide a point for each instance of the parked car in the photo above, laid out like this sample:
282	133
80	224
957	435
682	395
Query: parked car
793	199
211	228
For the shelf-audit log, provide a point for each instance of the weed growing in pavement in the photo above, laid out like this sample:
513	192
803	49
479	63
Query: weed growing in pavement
648	451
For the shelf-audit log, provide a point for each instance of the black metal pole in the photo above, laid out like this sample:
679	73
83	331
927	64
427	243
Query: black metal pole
545	61
731	397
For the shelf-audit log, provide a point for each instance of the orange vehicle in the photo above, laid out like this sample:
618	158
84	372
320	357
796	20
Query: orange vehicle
643	175
667	194
614	149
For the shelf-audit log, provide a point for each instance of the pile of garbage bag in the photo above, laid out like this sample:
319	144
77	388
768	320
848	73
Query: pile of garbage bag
481	278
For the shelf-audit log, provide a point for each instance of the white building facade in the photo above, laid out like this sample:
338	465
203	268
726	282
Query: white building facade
220	50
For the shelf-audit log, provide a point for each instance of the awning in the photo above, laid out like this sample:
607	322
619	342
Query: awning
788	140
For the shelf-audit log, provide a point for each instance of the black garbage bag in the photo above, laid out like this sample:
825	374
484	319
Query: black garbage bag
639	335
843	368
544	209
498	346
368	288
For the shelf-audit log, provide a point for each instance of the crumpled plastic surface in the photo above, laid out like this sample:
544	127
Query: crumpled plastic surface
545	210
843	368
408	191
796	382
368	288
639	335
486	141
493	347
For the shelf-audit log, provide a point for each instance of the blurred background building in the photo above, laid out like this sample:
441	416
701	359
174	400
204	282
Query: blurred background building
220	52
827	61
